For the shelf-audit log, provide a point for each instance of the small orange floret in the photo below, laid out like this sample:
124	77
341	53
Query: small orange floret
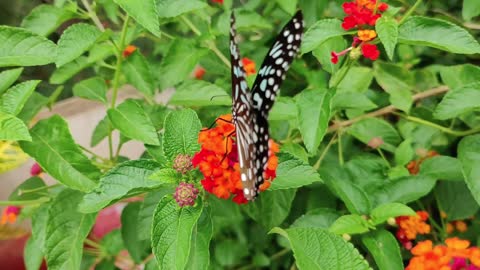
199	72
129	50
9	215
422	248
249	66
366	35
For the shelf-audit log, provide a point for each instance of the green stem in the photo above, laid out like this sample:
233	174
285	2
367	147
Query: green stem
324	153
91	153
93	15
92	243
24	203
25	191
383	157
439	127
340	150
191	25
410	11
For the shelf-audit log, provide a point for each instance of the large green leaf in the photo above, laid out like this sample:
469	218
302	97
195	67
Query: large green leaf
455	200
471	8
35	249
145	214
55	150
199	93
74	41
469	156
404	189
32	254
138	73
369	128
199	258
294	173
173	8
438	34
318	249
387	30
66	231
132	121
172	229
12	128
317	218
389	210
180	59
359	80
350	224
320	32
67	71
137	248
32	107
101	131
15	97
125	180
442	168
8	77
44	19
458	101
397	81
284	108
181	133
144	12
352	100
93	88
20	47
456	76
31	183
313	108
272	207
385	250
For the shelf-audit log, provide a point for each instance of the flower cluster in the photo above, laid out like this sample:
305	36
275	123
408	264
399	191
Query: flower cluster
185	194
456	254
361	14
10	214
249	66
218	161
410	226
414	165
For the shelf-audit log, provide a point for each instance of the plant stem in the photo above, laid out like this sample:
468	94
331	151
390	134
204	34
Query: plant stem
191	25
383	157
92	243
23	203
91	153
410	11
93	15
388	109
439	127
24	191
324	153
340	150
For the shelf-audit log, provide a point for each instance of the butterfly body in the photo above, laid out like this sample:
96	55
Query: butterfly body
250	109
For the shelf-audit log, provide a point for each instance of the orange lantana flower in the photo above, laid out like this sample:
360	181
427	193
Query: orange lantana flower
218	161
129	50
249	66
414	165
410	226
9	215
366	35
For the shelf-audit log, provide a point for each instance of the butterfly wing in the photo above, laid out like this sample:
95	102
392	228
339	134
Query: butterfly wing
267	84
242	117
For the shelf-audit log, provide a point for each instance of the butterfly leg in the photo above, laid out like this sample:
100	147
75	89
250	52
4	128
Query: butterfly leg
219	118
226	146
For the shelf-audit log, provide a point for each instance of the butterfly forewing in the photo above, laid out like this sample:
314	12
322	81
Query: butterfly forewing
267	84
242	113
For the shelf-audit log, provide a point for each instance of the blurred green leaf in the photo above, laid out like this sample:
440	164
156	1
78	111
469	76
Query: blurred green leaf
404	189
166	176
271	207
283	109
387	30
32	183
359	80
455	200
459	75
469	156
67	71
144	12
369	128
397	81
199	257
8	77
13	129
471	8
352	100
137	248
404	153
93	88
317	218
174	8
138	73
320	32
195	93
74	41
442	168
385	250
101	131
33	106
349	224
390	210
145	214
289	6
458	101
45	19
15	97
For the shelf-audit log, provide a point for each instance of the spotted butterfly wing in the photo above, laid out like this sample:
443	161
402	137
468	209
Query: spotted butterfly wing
242	114
251	119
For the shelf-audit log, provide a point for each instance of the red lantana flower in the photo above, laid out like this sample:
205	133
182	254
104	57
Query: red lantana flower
129	50
9	215
410	226
218	162
249	66
199	72
370	51
218	1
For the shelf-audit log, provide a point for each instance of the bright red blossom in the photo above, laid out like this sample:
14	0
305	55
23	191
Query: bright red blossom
9	215
410	226
129	50
370	51
35	170
218	1
249	66
199	72
218	162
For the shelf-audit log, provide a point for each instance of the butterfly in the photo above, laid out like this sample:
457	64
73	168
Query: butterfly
250	109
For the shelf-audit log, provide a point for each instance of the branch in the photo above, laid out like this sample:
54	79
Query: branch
389	109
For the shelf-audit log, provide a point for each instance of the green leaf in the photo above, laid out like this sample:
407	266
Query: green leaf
313	108
404	189
194	93
55	150
33	105
199	258
67	71
459	75
101	131
74	41
469	156
145	215
137	72
132	121
288	5
455	200
317	218
123	181
352	100
24	48
181	133
458	101
443	168
144	12
31	183
397	81
471	8
385	250
111	9
369	128
389	210
32	254
15	97
156	152
323	52
272	207
387	30
318	249
45	19
229	252
438	34
66	231
166	176
137	248
93	88
180	59
349	224
35	248
404	153
174	8
359	80
295	150
13	129
8	77
320	32
294	173
172	230
283	109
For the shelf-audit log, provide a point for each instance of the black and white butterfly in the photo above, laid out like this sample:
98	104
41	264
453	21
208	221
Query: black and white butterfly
250	109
